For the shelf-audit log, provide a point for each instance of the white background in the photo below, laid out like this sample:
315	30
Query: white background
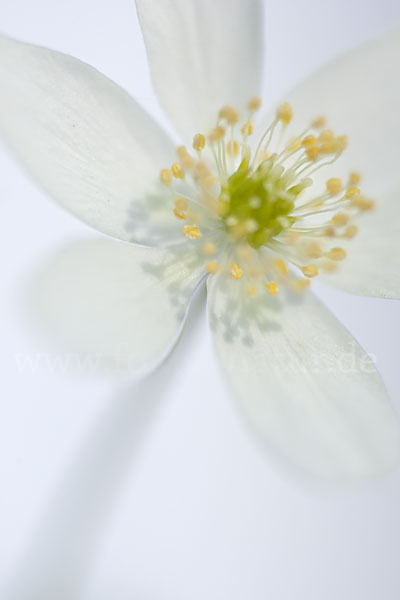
159	492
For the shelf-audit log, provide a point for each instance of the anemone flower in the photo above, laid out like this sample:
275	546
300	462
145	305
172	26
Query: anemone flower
257	206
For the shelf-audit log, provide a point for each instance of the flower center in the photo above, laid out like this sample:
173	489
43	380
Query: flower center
256	204
253	208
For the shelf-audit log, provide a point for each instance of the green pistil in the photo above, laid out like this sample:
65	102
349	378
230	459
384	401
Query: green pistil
259	200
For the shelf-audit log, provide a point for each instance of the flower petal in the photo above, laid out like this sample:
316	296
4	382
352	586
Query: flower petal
372	266
359	93
304	383
202	55
87	142
115	306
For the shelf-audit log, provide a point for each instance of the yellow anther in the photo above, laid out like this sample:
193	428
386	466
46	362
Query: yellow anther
336	254
350	232
329	232
310	270
284	113
326	135
203	175
272	288
300	285
192	232
281	266
329	266
209	248
184	157
313	250
181	207
334	185
166	176
236	271
328	147
309	140
177	171
319	122
212	267
354	178
199	141
312	152
230	115
180	214
331	144
362	203
340	220
232	148
254	103
181	152
293	144
216	134
247	128
352	192
251	290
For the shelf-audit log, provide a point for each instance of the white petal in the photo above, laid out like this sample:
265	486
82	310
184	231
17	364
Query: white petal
113	306
203	55
372	266
87	142
304	384
359	93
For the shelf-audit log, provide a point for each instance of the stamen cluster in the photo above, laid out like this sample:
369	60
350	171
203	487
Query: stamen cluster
250	207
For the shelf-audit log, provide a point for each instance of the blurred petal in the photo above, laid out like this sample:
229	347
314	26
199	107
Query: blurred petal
372	266
202	55
304	383
87	142
115	306
359	93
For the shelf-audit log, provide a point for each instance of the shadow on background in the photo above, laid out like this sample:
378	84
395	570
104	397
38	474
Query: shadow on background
58	557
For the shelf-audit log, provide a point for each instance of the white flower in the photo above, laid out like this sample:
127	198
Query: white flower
255	216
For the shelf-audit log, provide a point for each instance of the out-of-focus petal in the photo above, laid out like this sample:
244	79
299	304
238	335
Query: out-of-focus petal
359	94
112	306
304	383
203	55
86	142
